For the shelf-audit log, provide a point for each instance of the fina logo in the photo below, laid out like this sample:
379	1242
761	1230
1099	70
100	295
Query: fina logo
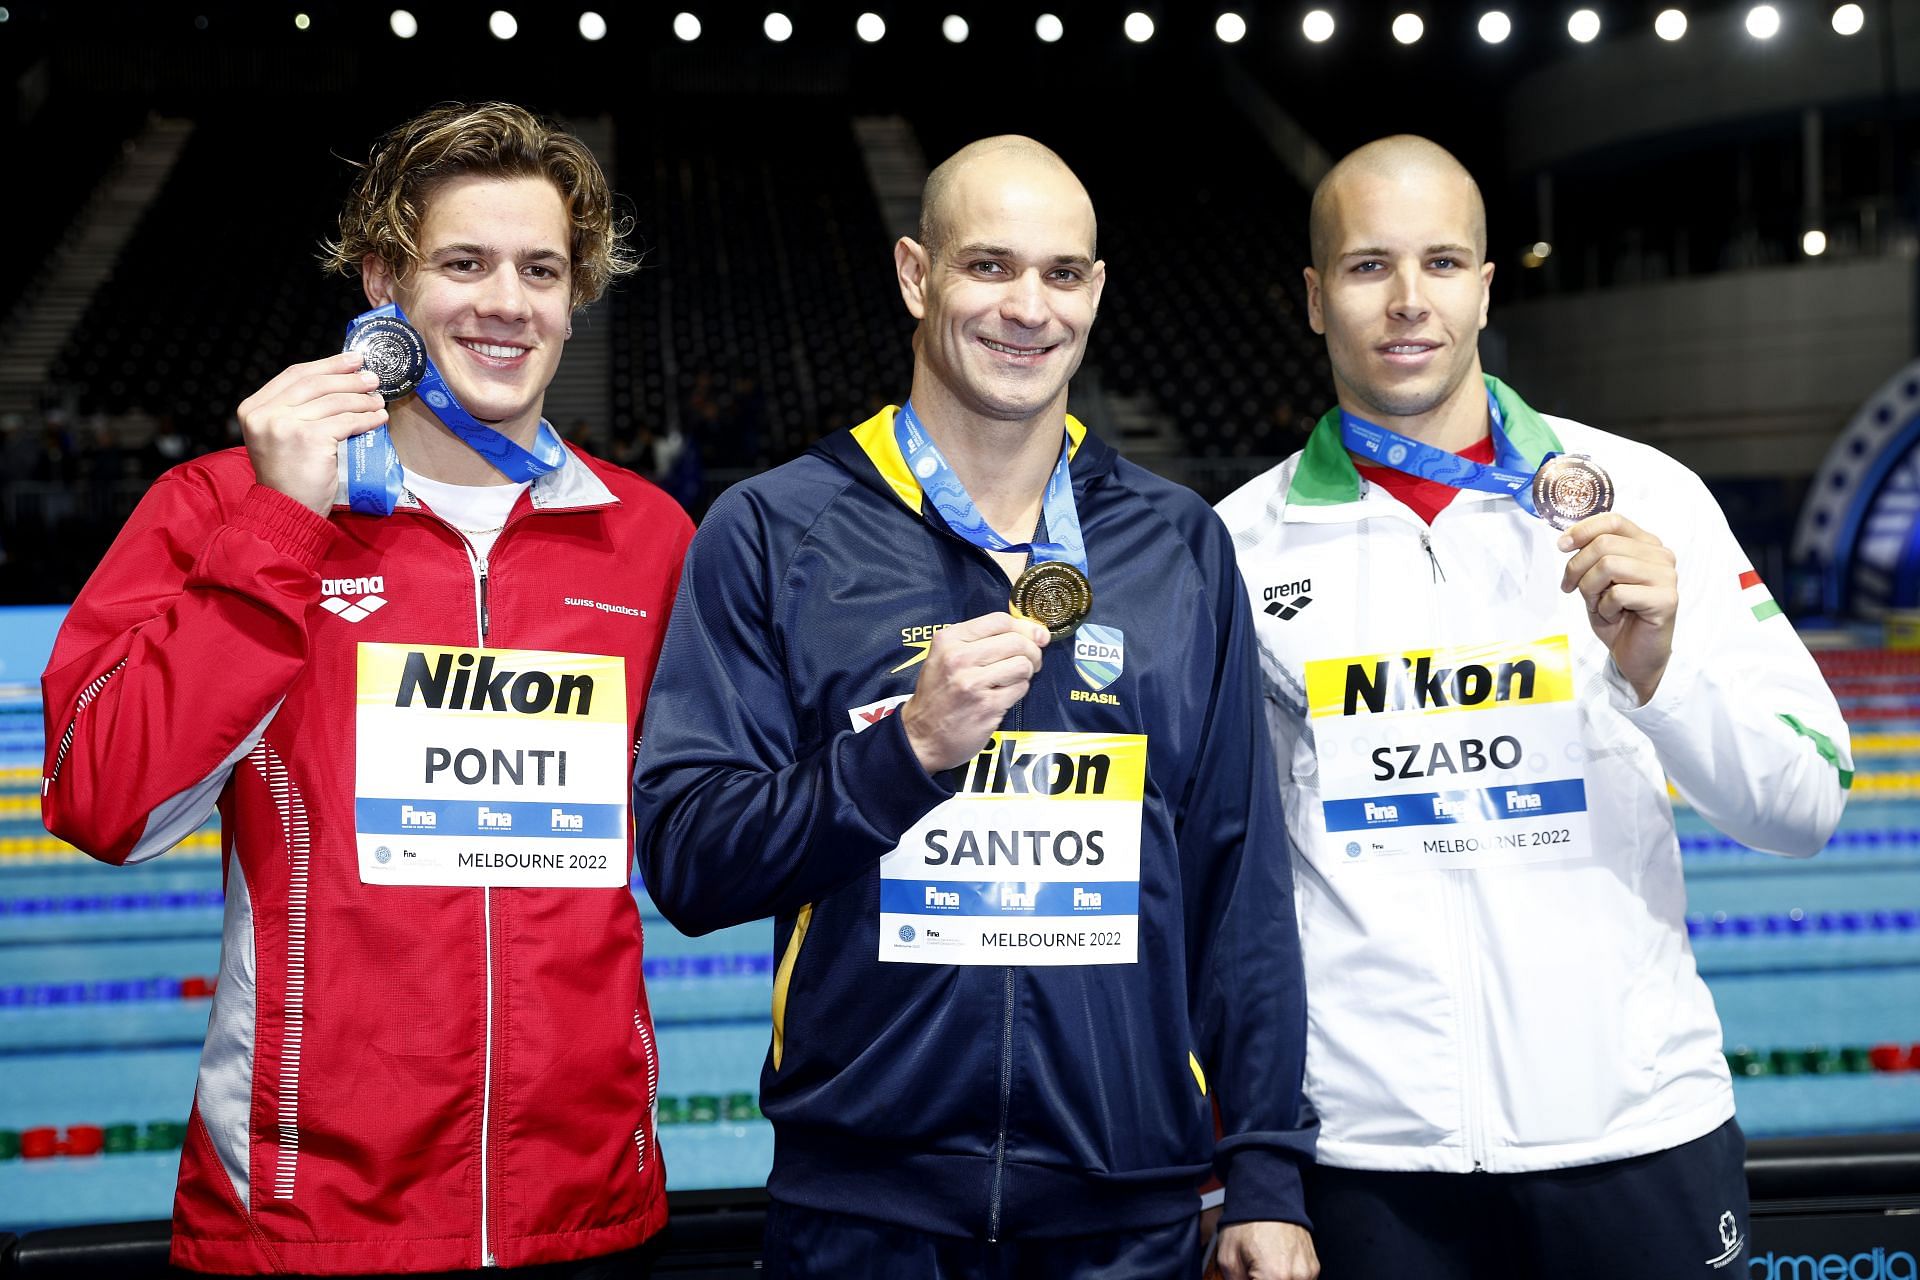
383	855
1099	654
906	933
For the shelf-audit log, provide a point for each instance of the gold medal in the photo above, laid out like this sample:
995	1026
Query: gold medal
1054	594
1569	488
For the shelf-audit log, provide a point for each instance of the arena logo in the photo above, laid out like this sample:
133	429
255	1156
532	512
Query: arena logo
1285	602
352	599
1874	1264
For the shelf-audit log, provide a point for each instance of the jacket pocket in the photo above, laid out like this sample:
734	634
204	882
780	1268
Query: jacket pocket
783	981
646	1133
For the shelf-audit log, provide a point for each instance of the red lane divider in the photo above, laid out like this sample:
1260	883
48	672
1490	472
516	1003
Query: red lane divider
1893	1057
1868	662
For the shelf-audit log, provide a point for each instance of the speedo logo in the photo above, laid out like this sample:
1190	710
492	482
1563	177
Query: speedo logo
352	599
1435	680
459	682
1874	1264
919	640
1057	766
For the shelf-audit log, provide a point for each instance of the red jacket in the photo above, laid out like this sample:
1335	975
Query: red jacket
395	1077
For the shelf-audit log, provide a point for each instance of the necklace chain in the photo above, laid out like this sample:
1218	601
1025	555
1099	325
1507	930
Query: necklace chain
460	528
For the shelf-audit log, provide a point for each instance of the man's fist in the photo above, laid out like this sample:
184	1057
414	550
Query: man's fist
974	671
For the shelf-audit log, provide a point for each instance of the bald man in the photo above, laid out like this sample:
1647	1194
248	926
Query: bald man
969	705
1480	671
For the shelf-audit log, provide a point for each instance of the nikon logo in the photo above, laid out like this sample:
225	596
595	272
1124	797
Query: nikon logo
1419	685
462	684
1004	769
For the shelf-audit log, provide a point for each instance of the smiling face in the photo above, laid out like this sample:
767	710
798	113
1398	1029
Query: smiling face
1007	295
491	293
1401	293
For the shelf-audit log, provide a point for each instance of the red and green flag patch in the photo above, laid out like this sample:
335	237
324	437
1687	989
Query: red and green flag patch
1755	595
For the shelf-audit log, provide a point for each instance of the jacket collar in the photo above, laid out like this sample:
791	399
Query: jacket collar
571	486
871	455
1326	476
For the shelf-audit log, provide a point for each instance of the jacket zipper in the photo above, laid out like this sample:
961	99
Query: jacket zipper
1433	561
1006	1065
1472	1073
1018	714
1472	1069
483	620
484	623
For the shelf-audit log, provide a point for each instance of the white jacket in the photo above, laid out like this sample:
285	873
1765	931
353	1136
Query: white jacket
1470	1005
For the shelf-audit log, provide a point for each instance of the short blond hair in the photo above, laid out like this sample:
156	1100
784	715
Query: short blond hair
384	211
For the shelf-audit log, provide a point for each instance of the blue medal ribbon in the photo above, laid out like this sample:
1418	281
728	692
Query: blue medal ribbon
374	474
951	499
1508	473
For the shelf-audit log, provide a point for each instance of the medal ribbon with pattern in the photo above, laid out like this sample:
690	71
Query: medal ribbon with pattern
1508	473
950	498
395	352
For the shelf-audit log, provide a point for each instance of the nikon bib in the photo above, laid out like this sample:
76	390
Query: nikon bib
1452	758
502	767
1034	861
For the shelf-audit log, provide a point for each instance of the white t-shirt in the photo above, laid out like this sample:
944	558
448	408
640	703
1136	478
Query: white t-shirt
478	511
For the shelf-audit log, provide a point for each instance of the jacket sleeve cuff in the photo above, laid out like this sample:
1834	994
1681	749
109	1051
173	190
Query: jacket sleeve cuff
1263	1185
285	525
1667	706
899	792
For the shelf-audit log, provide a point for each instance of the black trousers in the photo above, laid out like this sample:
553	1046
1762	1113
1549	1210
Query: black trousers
807	1244
1680	1213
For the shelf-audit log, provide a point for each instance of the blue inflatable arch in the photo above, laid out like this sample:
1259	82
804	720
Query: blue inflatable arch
1860	528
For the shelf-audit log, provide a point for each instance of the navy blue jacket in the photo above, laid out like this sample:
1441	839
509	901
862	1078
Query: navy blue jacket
992	1102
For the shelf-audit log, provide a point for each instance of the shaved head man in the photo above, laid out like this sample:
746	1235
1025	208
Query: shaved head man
1400	159
1000	355
1018	156
967	703
1400	285
1515	1064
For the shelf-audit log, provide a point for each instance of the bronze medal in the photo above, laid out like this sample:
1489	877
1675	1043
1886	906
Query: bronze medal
1569	488
1054	594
